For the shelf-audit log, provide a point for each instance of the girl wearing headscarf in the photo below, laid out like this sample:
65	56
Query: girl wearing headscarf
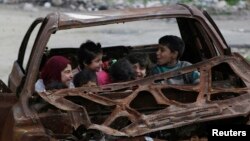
56	74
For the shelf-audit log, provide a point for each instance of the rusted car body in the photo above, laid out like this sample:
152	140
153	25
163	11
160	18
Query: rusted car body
134	109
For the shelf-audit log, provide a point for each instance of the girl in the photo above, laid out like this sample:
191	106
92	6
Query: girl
90	57
56	73
142	65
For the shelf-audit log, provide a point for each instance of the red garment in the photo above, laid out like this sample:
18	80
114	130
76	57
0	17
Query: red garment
103	78
53	68
105	65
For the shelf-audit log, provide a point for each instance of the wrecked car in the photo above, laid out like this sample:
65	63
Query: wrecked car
132	110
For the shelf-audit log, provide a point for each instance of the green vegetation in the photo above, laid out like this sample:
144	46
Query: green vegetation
232	2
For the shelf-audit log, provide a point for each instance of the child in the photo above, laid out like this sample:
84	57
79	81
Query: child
141	64
121	71
85	77
168	54
55	74
90	57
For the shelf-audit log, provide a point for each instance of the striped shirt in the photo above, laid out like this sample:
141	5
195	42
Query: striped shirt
189	78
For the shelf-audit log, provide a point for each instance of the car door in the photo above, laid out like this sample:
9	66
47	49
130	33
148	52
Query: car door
7	99
18	73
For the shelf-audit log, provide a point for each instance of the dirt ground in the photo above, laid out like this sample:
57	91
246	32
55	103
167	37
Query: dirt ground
14	22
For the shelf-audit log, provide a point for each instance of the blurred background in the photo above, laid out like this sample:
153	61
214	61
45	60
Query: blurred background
215	6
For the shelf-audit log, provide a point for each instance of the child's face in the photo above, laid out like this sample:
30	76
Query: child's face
96	63
139	71
66	75
165	56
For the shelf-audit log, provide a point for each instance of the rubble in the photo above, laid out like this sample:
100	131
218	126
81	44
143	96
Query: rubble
214	6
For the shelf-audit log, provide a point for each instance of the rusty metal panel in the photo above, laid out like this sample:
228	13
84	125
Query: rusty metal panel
168	113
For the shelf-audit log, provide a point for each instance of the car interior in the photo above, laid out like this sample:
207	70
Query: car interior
198	45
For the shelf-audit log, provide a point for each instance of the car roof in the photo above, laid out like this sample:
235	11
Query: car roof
77	20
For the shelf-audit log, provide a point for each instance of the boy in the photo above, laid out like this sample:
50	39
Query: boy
168	54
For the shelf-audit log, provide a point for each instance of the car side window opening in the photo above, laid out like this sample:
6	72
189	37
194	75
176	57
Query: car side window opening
225	81
199	46
223	76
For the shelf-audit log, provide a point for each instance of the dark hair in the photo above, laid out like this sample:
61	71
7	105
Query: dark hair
174	43
122	70
87	52
83	77
142	59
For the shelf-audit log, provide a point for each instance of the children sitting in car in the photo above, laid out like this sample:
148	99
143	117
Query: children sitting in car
168	54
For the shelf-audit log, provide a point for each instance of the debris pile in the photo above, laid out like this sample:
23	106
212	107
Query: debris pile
215	6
